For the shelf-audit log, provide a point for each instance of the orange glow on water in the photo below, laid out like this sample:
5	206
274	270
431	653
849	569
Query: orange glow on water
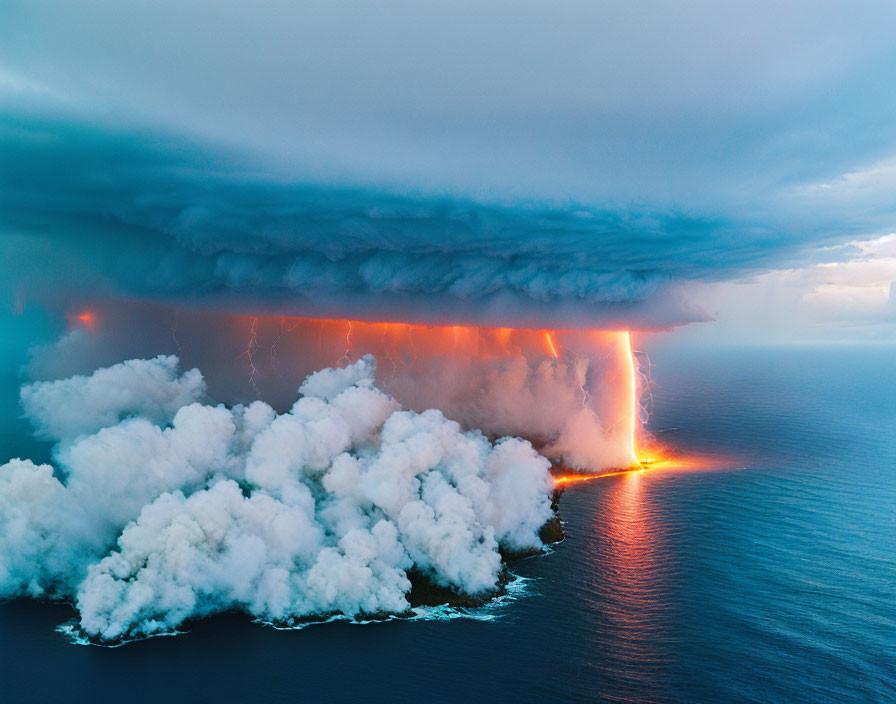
632	533
658	460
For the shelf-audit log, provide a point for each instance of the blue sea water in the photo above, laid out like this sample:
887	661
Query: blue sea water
770	578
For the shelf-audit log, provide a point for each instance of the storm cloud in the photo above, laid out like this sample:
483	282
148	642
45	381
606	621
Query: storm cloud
581	164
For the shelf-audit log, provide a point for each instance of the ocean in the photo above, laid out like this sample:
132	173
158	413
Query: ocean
768	576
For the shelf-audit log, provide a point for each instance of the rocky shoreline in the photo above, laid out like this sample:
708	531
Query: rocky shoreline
424	592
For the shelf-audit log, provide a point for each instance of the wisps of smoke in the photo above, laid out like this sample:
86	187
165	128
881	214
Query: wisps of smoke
162	509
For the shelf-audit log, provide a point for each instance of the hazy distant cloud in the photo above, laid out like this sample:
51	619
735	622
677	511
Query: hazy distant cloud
688	101
842	294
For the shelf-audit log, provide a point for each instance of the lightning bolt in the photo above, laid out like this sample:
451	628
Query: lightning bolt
388	354
348	343
251	348
411	344
283	331
585	395
645	402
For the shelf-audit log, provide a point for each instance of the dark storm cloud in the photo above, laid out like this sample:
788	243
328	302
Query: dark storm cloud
575	163
161	219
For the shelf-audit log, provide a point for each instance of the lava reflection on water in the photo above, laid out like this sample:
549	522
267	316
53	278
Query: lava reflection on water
627	611
634	585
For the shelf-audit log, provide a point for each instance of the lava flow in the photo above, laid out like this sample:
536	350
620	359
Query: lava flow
657	459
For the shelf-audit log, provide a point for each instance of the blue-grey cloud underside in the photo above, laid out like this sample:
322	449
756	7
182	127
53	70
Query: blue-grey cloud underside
164	219
514	164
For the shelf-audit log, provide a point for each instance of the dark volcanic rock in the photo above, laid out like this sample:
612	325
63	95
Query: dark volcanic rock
552	531
425	592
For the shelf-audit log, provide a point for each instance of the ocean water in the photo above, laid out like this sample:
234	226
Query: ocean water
769	577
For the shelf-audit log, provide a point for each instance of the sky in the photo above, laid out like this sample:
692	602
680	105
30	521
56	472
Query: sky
725	171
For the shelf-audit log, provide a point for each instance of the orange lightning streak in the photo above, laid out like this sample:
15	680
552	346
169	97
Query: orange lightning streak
348	343
251	347
633	390
550	341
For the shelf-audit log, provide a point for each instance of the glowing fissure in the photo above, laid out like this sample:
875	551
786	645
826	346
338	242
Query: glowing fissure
660	460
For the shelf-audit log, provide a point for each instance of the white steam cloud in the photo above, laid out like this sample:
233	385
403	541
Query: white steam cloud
162	509
63	410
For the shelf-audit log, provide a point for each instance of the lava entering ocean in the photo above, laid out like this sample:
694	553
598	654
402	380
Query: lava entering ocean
353	499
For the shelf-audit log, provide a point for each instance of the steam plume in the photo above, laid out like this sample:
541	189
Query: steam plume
162	509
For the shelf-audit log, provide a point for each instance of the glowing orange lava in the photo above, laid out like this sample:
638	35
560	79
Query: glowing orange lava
656	461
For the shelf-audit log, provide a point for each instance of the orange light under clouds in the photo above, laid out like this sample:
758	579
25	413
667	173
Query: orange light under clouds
87	319
436	340
530	382
430	366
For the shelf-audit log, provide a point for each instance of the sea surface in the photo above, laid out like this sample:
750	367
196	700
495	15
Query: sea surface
769	576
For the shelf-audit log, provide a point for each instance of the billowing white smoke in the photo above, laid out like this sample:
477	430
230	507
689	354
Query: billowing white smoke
63	410
162	509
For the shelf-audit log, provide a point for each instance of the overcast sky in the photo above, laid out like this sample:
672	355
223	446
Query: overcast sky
653	162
